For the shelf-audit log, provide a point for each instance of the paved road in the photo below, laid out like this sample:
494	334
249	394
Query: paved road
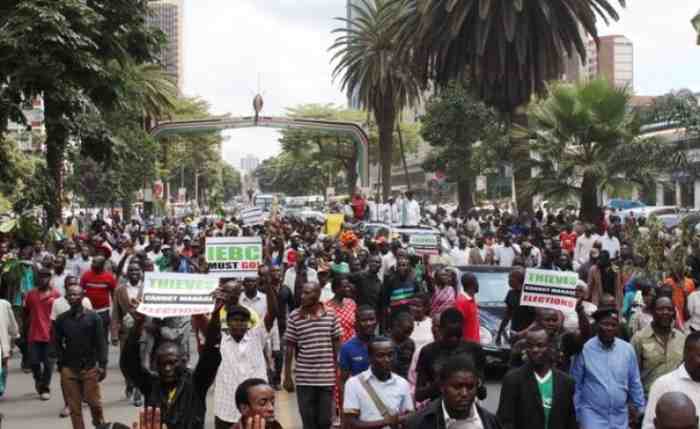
23	409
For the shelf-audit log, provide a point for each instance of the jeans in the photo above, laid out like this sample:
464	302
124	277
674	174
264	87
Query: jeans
106	323
78	385
315	406
42	365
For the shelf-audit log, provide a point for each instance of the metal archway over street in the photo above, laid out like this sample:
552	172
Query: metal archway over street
220	123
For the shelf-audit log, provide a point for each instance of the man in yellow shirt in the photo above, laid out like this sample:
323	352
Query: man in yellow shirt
334	222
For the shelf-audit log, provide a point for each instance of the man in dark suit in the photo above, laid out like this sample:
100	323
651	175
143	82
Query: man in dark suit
537	395
459	382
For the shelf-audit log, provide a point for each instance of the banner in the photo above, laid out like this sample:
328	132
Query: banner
177	294
549	289
424	244
234	256
252	216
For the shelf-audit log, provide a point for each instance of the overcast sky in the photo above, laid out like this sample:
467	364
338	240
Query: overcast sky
231	45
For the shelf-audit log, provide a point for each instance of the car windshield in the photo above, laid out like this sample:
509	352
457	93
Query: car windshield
493	286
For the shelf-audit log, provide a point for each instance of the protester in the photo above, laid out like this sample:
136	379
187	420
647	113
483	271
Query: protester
401	330
467	305
313	340
432	356
685	379
519	316
377	397
458	383
99	286
675	410
82	357
659	347
537	395
9	331
255	401
604	362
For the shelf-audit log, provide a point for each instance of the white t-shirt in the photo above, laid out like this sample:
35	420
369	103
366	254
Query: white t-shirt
60	306
505	256
394	392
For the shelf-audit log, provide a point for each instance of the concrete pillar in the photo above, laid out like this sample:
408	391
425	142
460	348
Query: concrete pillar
696	188
659	194
679	194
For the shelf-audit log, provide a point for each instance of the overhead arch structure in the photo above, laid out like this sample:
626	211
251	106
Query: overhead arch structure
221	123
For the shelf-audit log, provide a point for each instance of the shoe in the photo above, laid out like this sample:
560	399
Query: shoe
45	396
137	400
65	412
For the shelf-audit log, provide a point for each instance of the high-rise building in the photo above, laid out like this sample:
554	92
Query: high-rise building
249	163
612	59
168	15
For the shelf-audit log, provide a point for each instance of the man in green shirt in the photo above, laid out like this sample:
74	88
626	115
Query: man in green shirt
537	395
659	346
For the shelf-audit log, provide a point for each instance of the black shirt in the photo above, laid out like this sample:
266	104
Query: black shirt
80	341
403	354
433	355
523	315
368	288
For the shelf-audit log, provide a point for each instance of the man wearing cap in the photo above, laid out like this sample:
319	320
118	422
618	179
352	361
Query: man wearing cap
37	330
607	378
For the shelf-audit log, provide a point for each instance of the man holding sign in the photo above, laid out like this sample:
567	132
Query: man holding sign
179	392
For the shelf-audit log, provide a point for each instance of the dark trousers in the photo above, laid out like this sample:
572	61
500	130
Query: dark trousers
106	322
276	374
221	424
315	406
42	365
21	343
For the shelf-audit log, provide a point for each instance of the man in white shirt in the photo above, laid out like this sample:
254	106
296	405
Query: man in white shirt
584	244
377	389
685	379
412	211
72	259
611	244
460	253
58	278
290	276
242	357
396	206
505	254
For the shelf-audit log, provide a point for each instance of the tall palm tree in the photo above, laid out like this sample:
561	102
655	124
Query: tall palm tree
150	90
508	48
369	65
587	139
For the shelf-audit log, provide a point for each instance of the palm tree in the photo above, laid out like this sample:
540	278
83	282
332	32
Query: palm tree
586	138
508	48
369	65
148	89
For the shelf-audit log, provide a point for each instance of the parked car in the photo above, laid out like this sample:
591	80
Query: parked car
621	204
647	211
493	288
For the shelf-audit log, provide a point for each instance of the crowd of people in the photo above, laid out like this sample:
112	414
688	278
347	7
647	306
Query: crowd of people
368	331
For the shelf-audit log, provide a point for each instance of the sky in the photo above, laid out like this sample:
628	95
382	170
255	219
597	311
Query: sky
237	48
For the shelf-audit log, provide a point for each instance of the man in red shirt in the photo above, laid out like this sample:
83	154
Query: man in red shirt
37	330
358	206
467	305
567	239
99	286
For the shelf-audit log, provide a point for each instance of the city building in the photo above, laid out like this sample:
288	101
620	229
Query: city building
612	59
168	15
29	136
249	163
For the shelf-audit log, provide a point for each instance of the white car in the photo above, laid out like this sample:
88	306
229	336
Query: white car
647	211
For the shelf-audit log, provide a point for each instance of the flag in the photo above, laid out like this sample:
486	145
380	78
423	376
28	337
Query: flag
252	216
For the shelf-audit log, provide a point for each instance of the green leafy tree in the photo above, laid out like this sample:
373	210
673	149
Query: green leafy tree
370	67
509	49
64	50
282	174
454	122
587	138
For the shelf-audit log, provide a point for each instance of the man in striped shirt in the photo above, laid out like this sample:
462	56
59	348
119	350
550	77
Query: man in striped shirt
313	337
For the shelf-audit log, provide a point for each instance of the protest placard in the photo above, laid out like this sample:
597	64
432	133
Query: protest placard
253	216
549	289
424	243
177	294
235	257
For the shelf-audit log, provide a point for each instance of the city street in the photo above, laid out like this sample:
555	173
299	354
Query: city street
22	407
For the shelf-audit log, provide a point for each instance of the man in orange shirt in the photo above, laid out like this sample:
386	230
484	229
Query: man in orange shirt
567	239
681	286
